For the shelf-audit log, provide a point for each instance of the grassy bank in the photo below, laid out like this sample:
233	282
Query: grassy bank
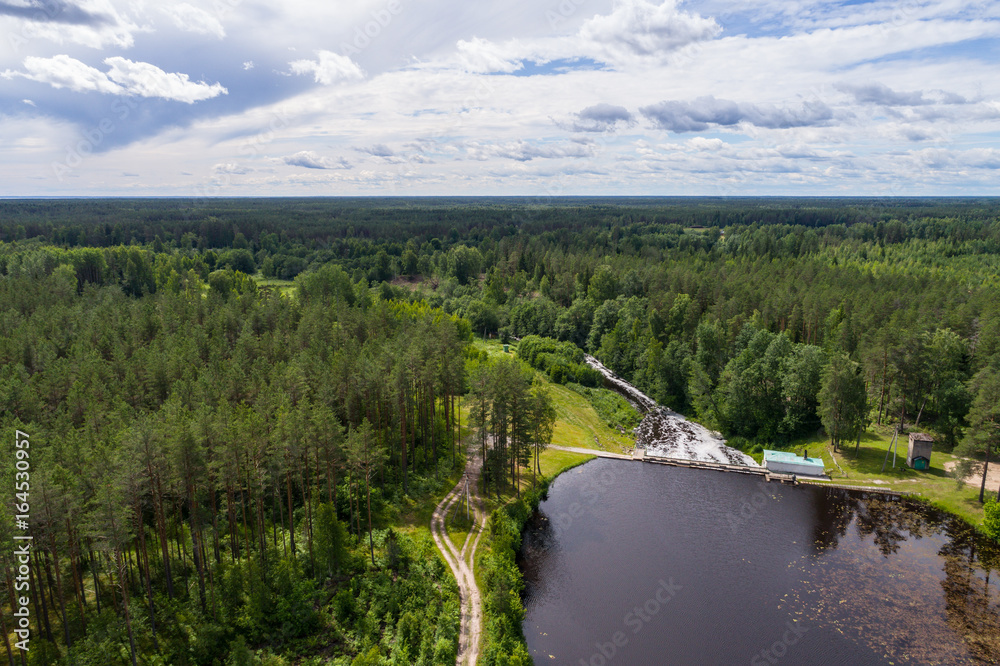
577	422
496	571
862	466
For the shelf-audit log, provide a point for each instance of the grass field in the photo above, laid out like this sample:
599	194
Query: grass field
285	287
864	468
577	424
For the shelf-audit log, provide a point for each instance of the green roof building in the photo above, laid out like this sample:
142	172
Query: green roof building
787	462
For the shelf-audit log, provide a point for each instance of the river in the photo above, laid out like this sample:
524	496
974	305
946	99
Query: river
633	563
668	434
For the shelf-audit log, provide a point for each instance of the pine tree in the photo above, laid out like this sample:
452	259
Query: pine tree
983	434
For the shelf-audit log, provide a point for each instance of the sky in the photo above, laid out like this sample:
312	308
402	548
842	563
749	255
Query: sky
537	98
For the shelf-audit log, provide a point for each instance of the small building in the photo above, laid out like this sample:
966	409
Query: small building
918	456
787	462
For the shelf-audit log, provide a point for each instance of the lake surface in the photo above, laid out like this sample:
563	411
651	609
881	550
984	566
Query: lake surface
637	563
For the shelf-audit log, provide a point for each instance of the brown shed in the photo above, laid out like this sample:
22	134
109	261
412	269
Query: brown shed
918	456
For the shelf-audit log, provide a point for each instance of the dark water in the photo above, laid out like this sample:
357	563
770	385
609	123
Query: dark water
632	563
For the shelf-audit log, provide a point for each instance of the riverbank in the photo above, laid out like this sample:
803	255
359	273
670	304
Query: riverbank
493	564
862	466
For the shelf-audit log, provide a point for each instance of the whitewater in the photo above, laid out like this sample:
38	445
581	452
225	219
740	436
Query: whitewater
666	433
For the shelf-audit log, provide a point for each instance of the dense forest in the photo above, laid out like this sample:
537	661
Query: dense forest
229	403
202	461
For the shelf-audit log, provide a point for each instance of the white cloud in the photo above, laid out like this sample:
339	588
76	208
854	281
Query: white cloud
231	168
644	28
810	98
602	117
194	19
634	30
328	68
61	71
96	24
701	143
482	57
378	150
310	159
706	112
146	80
524	151
124	78
881	94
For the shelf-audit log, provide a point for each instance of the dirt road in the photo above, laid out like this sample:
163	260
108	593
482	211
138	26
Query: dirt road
976	478
591	452
462	562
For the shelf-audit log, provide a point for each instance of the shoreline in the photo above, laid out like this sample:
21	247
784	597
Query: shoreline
760	471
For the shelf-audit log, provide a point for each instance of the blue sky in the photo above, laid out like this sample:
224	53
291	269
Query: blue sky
506	97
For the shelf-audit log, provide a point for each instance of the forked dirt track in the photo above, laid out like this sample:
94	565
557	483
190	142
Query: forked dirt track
462	562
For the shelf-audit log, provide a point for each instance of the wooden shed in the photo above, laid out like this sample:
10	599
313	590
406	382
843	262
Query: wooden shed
918	456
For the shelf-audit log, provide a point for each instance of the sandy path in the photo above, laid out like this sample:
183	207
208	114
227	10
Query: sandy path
976	478
591	452
461	563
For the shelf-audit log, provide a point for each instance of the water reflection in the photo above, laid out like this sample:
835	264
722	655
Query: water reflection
971	604
925	598
884	518
874	579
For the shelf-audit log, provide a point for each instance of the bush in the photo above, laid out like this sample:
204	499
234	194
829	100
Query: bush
559	374
562	361
503	612
239	260
740	443
294	612
239	653
371	658
326	285
445	651
532	345
612	408
991	521
331	540
344	606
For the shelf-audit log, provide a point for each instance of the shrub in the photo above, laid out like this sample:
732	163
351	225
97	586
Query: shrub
991	521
